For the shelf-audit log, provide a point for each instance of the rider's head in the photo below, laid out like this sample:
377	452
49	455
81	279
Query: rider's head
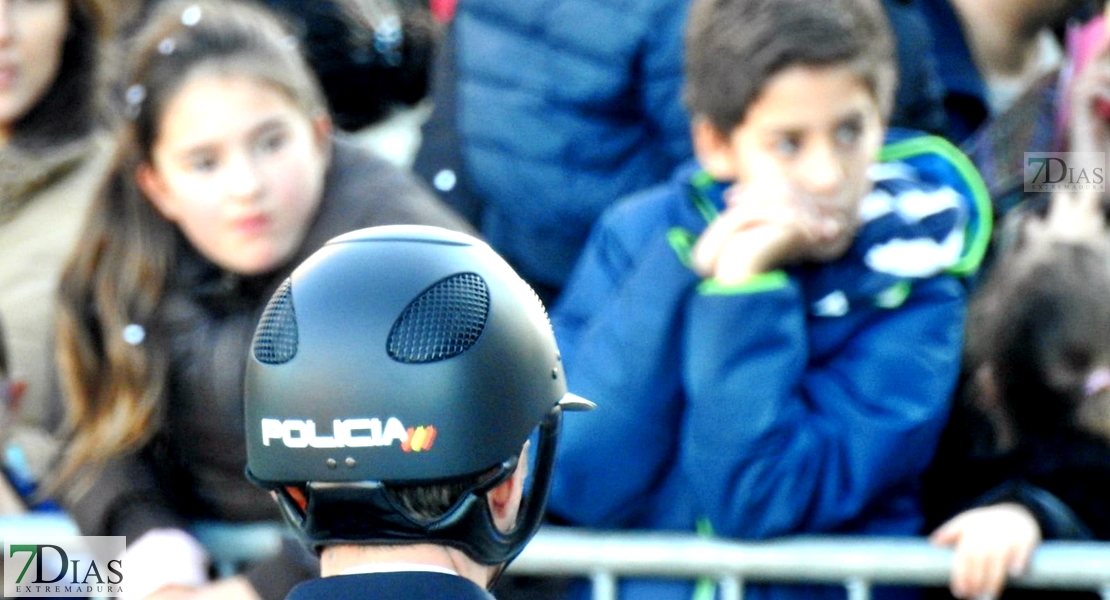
394	382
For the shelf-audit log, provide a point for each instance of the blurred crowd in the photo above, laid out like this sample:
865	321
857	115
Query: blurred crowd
926	352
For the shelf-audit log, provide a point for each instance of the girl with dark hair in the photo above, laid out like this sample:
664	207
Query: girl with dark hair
1027	447
226	176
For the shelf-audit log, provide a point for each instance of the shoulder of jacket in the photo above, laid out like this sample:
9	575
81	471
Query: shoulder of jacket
937	162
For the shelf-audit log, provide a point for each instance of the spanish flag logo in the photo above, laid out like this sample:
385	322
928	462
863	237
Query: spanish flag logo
420	439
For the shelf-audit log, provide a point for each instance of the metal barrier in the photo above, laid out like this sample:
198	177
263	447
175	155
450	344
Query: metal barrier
857	563
231	546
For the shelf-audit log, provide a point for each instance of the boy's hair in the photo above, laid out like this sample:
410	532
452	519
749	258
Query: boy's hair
733	47
427	502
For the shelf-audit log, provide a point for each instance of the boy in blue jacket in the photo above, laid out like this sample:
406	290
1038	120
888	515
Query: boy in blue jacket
772	338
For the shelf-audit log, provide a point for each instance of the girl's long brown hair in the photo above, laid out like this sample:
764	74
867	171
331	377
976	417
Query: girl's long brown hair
118	274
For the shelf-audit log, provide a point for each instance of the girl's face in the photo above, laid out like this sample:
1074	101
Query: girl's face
239	168
31	36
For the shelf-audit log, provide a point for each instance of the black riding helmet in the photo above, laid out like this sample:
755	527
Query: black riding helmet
402	355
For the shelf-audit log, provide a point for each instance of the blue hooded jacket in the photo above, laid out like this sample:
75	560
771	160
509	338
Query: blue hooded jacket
805	400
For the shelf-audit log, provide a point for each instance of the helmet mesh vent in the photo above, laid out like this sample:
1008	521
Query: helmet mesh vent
276	339
443	321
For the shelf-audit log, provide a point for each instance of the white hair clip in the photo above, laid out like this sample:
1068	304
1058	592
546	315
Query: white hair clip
134	98
389	40
134	334
190	16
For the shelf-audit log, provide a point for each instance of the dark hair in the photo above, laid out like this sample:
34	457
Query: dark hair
237	38
431	501
1043	305
370	55
118	270
733	47
426	502
73	105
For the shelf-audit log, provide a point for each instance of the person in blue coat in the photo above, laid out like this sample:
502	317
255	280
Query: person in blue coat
773	337
552	110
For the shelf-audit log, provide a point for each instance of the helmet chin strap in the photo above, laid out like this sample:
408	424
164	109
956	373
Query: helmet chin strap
532	506
496	576
537	501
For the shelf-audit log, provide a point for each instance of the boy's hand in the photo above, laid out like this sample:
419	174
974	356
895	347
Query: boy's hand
991	543
763	227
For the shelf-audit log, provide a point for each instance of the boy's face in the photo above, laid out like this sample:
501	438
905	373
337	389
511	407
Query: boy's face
815	130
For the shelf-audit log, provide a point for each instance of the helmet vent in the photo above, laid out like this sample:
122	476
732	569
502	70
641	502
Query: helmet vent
275	341
445	320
